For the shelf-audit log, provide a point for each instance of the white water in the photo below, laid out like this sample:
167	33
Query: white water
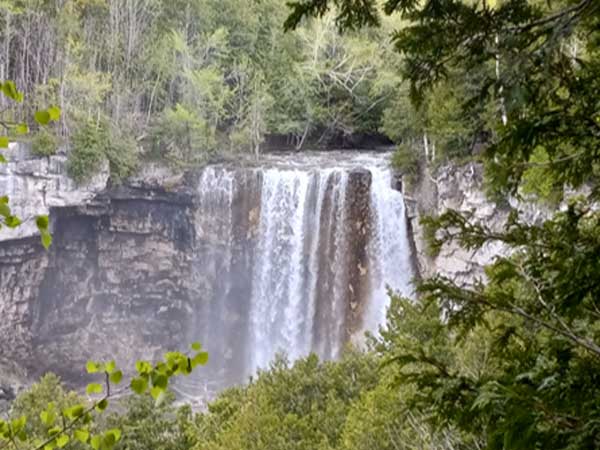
285	231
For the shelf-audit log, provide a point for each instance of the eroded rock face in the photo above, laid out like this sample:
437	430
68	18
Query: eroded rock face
113	286
170	259
34	185
461	188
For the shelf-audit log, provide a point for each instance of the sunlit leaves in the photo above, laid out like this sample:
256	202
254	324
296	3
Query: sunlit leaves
74	412
10	90
42	117
48	416
92	367
63	425
82	435
139	385
93	388
45	116
116	377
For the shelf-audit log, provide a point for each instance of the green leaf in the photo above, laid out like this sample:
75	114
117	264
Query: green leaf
9	88
46	240
95	442
160	381
91	367
12	221
54	431
116	377
155	392
143	367
42	223
139	385
48	416
116	433
4	142
93	388
73	412
62	440
22	128
200	359
110	367
54	112
196	346
160	398
42	117
82	435
102	405
2	159
18	424
5	210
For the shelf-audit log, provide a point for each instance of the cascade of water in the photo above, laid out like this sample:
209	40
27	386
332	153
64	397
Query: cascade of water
389	251
277	313
287	243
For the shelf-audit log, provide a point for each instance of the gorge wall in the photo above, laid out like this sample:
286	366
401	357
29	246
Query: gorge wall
294	254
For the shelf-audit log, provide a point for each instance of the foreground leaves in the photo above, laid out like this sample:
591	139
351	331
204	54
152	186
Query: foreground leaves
73	420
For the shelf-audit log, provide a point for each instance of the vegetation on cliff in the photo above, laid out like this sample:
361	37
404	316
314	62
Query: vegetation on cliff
185	81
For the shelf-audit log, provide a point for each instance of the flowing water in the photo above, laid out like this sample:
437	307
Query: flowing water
296	256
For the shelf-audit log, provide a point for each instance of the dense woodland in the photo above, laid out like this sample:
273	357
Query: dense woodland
185	81
509	363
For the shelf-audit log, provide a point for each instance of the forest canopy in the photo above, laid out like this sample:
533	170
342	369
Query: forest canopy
184	81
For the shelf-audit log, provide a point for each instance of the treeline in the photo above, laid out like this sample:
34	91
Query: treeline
184	80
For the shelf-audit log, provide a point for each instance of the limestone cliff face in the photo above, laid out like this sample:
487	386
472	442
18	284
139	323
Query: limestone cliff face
111	268
460	187
139	269
34	185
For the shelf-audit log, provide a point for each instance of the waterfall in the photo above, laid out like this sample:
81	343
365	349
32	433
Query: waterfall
296	257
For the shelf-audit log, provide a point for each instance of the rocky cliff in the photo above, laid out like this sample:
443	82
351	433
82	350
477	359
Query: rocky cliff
168	259
246	259
460	187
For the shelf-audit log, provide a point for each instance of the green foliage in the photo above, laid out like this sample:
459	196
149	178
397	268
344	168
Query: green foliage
93	144
41	404
46	417
302	406
514	362
88	151
44	143
538	181
145	425
406	160
183	137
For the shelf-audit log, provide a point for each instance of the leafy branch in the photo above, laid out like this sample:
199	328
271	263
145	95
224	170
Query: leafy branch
74	423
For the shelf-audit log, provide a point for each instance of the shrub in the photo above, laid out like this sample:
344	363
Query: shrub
44	143
406	160
183	137
94	143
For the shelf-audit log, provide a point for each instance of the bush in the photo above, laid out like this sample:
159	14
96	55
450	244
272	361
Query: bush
406	160
94	143
44	143
183	137
88	151
122	157
35	399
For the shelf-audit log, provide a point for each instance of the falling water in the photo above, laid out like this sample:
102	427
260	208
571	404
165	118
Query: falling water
296	256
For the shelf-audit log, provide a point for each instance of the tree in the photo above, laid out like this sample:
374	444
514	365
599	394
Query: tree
536	314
